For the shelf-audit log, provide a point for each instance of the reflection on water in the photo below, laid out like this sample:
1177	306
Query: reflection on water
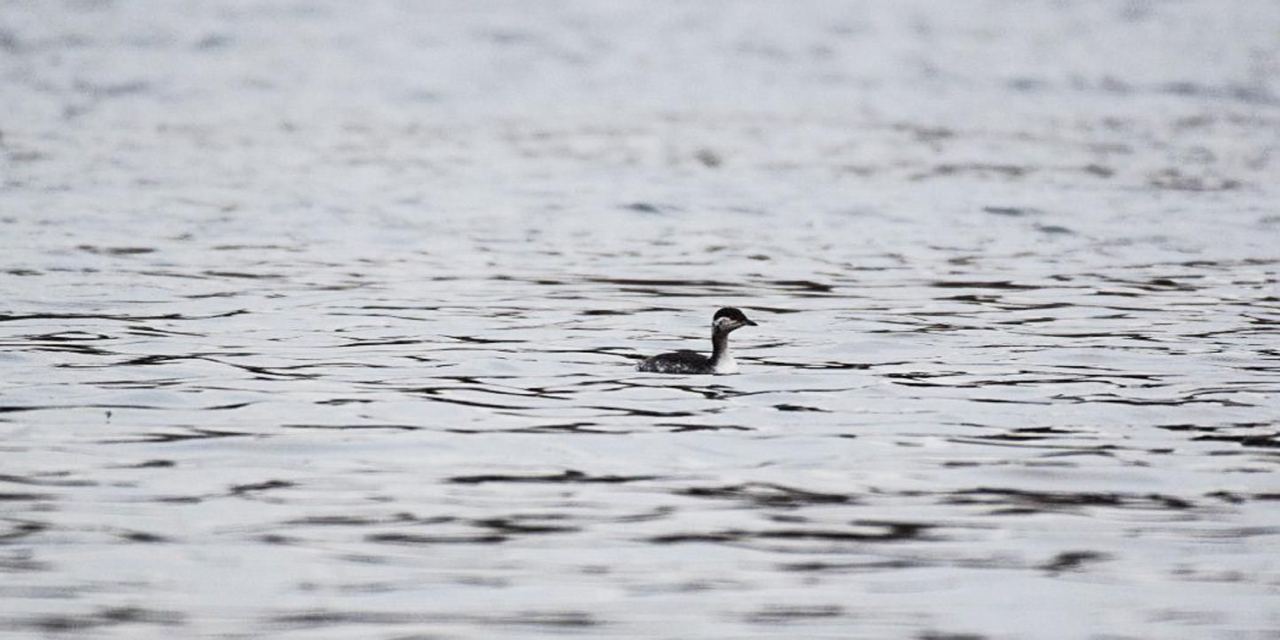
368	372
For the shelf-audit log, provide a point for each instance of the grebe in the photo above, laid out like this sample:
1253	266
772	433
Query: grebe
724	322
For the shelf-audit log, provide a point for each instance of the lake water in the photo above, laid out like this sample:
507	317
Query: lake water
319	319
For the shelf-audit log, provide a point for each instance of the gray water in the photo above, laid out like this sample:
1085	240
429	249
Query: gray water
320	319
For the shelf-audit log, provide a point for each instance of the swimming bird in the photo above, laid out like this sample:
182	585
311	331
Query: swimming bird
723	323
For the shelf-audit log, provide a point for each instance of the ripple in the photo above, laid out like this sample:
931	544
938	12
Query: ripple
365	368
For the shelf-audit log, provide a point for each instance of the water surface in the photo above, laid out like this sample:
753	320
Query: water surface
321	321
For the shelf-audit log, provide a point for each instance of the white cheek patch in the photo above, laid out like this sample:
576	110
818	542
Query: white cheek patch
724	323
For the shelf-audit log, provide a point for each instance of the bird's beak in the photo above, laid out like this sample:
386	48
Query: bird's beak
752	323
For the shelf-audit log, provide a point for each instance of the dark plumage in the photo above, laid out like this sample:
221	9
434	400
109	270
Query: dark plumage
725	321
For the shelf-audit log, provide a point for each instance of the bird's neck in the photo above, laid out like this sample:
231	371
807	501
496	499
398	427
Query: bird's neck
721	360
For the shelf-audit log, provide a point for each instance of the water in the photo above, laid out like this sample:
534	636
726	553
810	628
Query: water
321	321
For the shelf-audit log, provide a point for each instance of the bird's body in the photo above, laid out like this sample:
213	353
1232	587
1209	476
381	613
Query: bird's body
721	361
687	362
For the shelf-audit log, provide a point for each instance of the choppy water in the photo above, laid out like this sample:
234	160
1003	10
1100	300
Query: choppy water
319	321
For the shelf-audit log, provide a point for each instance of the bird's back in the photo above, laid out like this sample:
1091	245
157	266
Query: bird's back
677	362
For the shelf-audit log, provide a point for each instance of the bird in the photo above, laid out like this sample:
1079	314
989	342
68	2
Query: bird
725	321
